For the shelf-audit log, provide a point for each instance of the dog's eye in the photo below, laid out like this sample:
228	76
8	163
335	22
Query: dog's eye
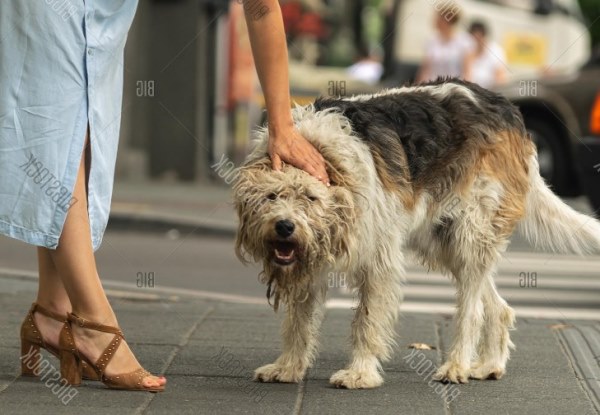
312	198
272	196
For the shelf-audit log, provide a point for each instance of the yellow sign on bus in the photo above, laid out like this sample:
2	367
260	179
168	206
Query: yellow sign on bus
525	49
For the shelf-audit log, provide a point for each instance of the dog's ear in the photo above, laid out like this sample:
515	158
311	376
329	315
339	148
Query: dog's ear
246	200
342	236
338	176
241	244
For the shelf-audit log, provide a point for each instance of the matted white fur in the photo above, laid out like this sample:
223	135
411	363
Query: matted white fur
442	91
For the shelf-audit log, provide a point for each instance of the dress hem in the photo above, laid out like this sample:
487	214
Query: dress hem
36	238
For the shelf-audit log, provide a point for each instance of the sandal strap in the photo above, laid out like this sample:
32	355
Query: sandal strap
35	330
31	328
109	351
87	324
108	354
36	308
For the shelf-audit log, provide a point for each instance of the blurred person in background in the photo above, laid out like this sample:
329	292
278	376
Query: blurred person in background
447	54
486	64
368	68
305	29
61	82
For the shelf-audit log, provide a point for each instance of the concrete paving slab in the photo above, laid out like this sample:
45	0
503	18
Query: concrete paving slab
200	395
209	351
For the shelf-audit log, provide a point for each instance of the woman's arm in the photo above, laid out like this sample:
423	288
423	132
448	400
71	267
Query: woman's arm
468	62
423	74
500	75
269	47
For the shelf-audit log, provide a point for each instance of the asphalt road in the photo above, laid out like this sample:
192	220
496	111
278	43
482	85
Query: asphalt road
536	284
181	261
192	262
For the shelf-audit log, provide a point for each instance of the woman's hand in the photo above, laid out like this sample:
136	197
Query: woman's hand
288	146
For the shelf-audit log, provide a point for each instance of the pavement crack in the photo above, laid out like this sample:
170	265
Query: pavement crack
575	364
300	396
302	384
185	339
439	343
4	387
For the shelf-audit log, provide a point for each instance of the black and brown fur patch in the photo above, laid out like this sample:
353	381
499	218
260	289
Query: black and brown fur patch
426	142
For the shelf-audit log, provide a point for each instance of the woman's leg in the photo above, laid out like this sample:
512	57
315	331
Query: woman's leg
51	291
74	259
52	296
76	265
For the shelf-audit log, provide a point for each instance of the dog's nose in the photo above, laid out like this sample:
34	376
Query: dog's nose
284	228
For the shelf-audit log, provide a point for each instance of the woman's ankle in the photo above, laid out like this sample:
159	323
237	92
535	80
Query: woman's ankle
57	307
106	317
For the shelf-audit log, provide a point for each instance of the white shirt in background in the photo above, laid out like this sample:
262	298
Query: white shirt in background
368	71
446	58
487	64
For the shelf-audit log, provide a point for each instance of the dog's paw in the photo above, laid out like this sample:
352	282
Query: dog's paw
484	371
278	373
453	373
352	379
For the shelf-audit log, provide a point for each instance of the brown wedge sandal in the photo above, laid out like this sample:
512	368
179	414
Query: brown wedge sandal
71	360
32	342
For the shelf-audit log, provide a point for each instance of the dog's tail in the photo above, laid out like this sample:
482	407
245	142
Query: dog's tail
552	225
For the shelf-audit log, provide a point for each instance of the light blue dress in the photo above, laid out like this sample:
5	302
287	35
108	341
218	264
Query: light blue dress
61	68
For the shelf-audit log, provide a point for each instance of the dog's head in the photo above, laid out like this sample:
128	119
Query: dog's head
290	221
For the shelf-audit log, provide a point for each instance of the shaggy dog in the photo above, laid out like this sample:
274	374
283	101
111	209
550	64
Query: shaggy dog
445	170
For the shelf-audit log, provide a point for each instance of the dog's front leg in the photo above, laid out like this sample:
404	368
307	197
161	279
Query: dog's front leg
299	332
372	328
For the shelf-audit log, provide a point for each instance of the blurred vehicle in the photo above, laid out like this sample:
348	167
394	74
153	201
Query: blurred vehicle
538	36
589	154
563	116
589	151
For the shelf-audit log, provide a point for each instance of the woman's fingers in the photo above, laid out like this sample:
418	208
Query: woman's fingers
312	163
319	166
276	161
299	152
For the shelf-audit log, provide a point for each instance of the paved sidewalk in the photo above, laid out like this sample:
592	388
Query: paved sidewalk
208	351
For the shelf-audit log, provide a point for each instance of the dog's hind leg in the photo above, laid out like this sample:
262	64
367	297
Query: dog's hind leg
471	245
494	345
299	332
373	326
469	319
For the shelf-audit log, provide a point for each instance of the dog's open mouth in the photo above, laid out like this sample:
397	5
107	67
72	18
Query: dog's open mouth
284	252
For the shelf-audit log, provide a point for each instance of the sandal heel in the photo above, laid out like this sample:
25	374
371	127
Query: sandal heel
30	357
70	367
32	342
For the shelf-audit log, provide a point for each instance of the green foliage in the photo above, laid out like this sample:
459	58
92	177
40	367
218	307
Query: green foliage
591	12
